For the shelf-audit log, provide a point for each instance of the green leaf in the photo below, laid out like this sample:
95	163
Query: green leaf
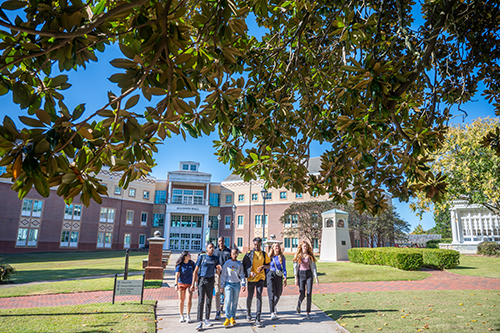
42	187
132	101
123	63
100	7
31	121
127	51
78	111
57	81
13	5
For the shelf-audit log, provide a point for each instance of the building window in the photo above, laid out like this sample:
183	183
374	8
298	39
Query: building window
241	197
298	195
295	244
73	212
185	167
186	221
227	222
145	195
287	221
160	197
287	245
118	190
269	196
240	243
315	245
255	197
240	221
282	195
295	220
142	241
227	242
214	222
215	199
192	167
69	239
130	217
107	215
104	240
27	237
144	219
108	239
229	198
126	241
158	220
258	221
32	208
131	192
187	197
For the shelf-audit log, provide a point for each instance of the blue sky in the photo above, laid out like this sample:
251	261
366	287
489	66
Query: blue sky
90	87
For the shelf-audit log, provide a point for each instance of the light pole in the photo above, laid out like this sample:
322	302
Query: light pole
234	225
263	192
218	224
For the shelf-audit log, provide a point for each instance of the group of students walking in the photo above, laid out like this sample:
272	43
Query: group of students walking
221	270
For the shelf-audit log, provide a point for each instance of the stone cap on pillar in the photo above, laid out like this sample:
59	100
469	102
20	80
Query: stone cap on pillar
156	238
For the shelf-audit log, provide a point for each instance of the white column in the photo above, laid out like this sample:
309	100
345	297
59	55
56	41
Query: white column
204	232
166	229
460	227
208	194
169	194
454	226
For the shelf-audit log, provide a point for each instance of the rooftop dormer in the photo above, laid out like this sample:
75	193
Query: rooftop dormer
189	166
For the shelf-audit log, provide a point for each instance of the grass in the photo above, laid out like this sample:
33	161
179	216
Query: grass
130	317
478	266
53	266
414	311
73	286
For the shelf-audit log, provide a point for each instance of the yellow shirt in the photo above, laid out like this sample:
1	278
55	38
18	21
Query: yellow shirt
258	260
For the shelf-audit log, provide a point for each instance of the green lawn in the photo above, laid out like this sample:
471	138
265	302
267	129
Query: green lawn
478	266
414	311
53	266
129	317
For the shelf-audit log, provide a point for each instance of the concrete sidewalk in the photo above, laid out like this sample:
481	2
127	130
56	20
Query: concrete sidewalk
289	321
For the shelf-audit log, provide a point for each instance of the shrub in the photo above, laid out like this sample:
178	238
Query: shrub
488	248
405	259
434	243
6	271
440	258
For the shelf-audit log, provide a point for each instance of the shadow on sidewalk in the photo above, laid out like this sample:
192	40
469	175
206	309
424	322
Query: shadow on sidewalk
355	313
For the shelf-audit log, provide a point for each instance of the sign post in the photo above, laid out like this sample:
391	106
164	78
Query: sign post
128	288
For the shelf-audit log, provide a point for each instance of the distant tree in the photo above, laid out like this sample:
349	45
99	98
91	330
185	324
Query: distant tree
419	230
442	220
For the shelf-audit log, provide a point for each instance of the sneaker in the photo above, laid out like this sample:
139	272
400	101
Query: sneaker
226	323
233	322
217	315
207	323
258	323
308	317
188	319
298	309
249	317
274	316
181	319
200	326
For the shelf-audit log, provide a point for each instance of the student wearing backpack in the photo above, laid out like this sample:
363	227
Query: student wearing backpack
231	280
304	269
255	264
184	268
204	274
276	278
224	254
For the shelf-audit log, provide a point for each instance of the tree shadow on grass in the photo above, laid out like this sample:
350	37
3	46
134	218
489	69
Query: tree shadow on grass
71	314
355	313
464	267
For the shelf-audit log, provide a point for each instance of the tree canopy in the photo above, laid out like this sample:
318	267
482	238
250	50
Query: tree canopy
365	78
472	169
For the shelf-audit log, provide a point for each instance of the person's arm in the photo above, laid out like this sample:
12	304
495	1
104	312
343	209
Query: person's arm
177	276
223	277
265	266
284	271
247	267
296	272
314	271
241	273
195	279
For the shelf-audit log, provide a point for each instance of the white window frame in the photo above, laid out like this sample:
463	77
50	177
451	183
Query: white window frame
118	190
229	198
144	219
131	192
283	195
238	241
125	244
142	241
227	222
241	197
145	195
24	239
299	196
241	219
130	217
255	197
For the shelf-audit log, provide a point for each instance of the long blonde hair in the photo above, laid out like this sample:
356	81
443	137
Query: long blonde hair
280	254
298	255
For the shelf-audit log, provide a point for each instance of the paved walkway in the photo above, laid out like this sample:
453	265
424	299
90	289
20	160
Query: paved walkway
440	280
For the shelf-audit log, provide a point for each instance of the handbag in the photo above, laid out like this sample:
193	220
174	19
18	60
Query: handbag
279	272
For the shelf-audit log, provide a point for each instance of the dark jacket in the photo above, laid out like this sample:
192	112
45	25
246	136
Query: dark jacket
248	262
223	255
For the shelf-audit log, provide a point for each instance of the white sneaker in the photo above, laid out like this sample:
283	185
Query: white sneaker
308	317
207	323
274	316
181	319
188	319
200	326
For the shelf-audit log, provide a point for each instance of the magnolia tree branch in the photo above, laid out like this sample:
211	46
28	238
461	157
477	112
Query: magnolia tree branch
83	30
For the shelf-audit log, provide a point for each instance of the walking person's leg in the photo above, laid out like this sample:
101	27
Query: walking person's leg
271	291
189	303
250	291
302	289
209	294
182	297
228	291
309	291
234	300
278	290
217	287
260	288
201	299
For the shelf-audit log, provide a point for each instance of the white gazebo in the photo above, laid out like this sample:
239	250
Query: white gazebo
472	224
335	239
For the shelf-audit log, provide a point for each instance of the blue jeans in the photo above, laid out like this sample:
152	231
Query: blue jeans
232	291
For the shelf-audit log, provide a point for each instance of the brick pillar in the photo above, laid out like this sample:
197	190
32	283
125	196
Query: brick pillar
154	269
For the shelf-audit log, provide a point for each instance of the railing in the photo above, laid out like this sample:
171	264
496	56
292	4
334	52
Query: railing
201	202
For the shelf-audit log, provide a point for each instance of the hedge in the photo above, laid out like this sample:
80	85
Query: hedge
405	258
488	248
434	243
